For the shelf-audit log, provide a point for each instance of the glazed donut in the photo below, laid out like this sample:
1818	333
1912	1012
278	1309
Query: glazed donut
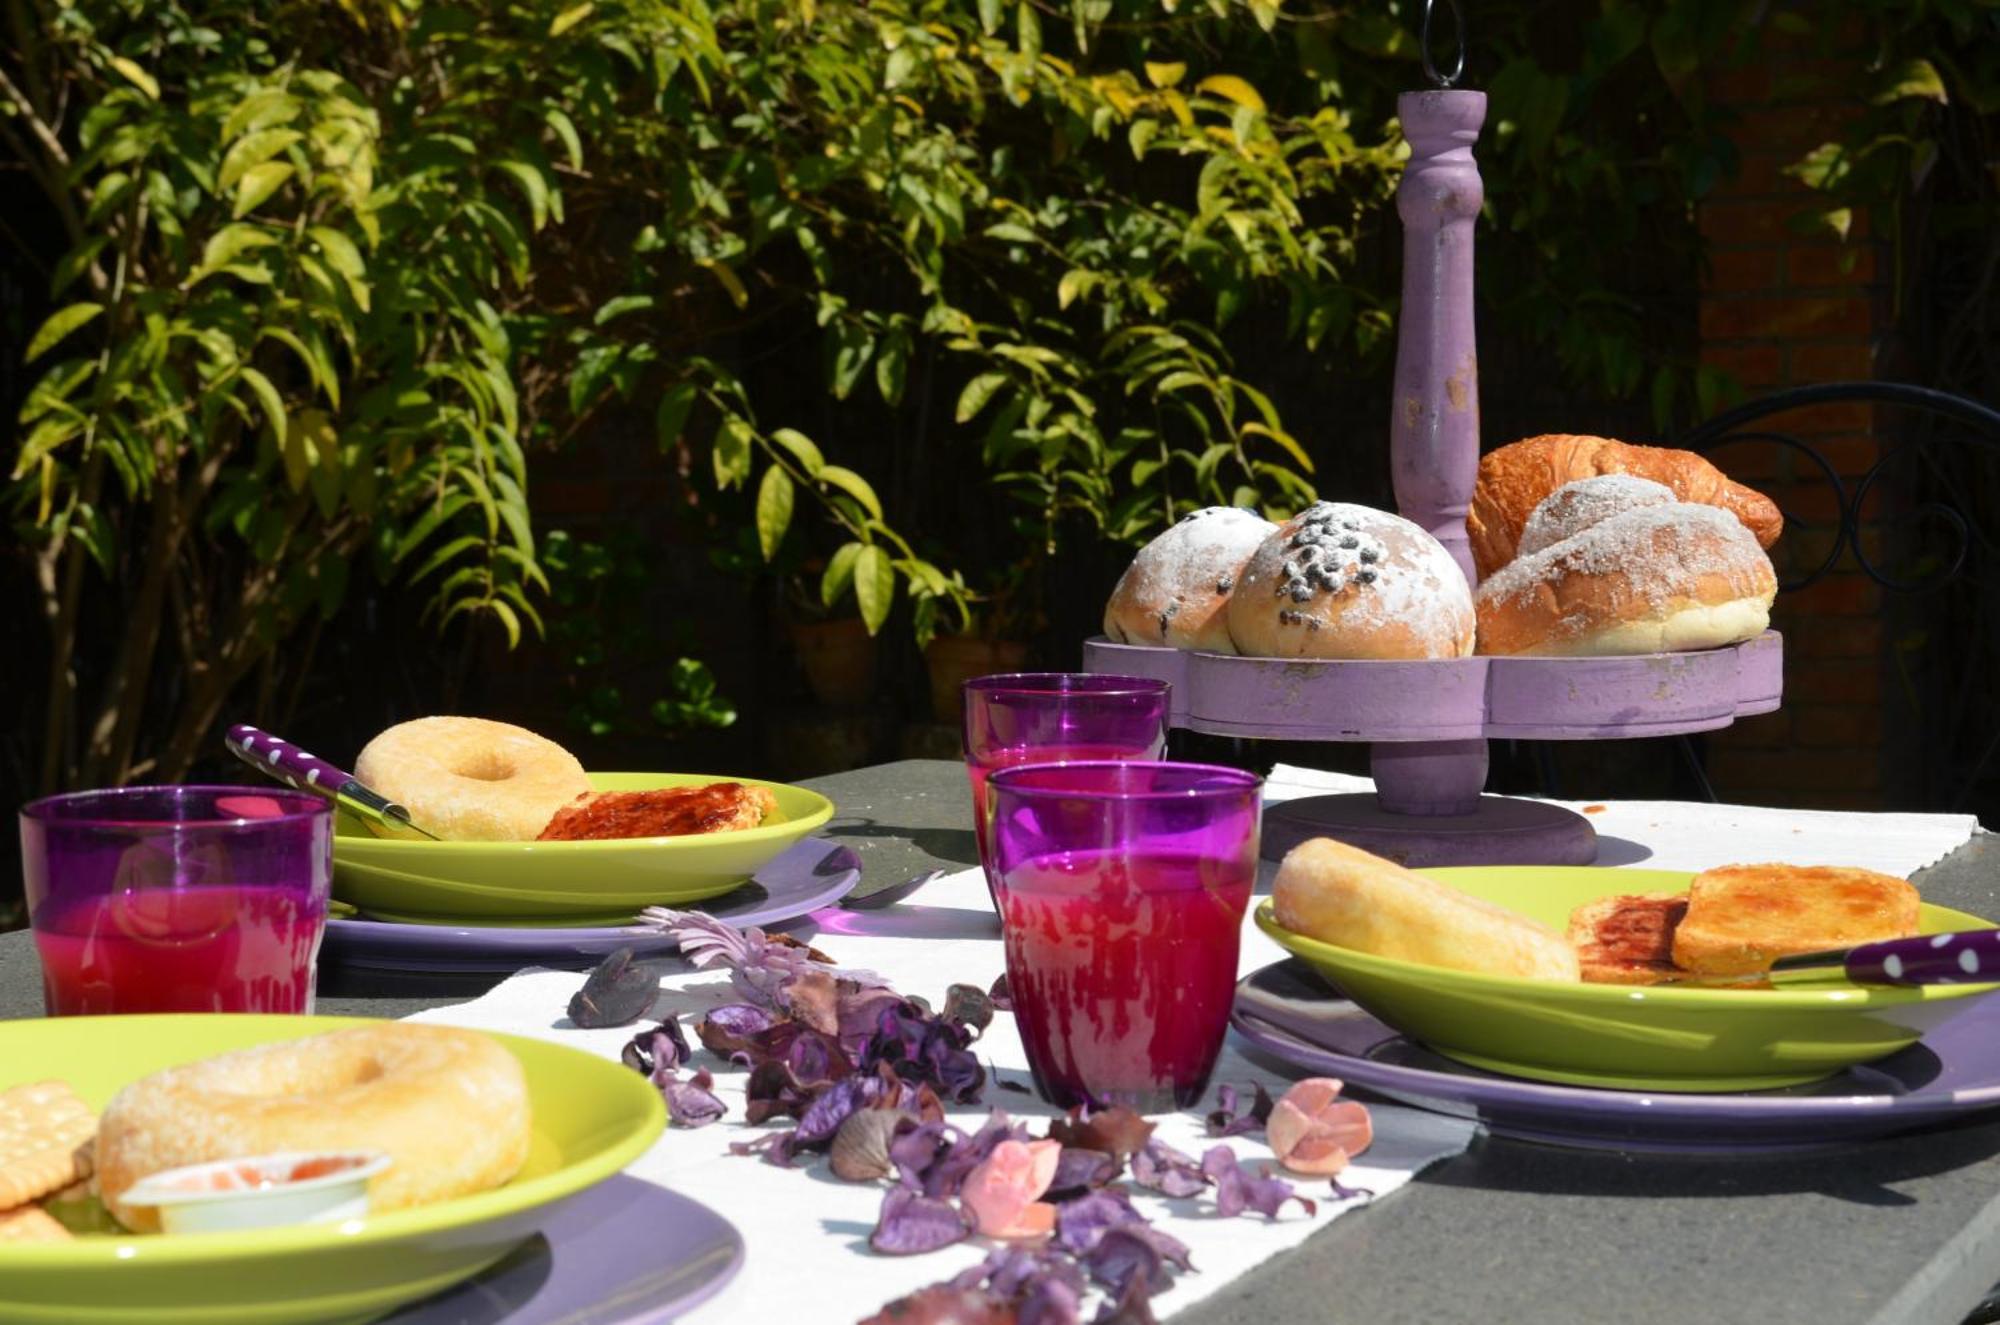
1176	591
471	780
450	1107
1343	581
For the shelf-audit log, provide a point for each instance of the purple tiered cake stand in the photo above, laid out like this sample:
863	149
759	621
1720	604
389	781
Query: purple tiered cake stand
1429	721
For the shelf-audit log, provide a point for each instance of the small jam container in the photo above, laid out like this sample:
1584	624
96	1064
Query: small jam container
260	1191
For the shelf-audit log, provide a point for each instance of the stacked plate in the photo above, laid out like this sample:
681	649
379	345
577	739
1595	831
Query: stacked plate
1625	1067
498	906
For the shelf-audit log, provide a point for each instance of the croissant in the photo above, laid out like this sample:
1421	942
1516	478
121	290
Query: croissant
1514	479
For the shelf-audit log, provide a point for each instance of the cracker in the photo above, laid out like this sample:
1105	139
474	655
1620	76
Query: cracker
45	1131
30	1223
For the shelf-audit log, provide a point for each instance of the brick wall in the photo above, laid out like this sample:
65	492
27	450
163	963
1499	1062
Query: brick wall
1781	308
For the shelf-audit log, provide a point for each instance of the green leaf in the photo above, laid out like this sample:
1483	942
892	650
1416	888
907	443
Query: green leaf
1231	88
137	76
60	324
774	509
1911	78
623	304
874	586
852	348
1164	73
839	576
802	449
268	399
230	243
260	110
565	128
252	150
672	416
731	452
533	185
75	263
340	252
977	392
257	184
570	17
892	368
854	486
990	16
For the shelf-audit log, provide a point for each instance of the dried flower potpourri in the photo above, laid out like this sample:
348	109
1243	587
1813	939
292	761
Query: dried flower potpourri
864	1073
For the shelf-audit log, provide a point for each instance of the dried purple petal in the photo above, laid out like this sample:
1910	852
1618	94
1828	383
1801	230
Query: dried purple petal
1080	1223
1001	994
911	1223
1237	1190
812	997
1161	1168
1136	1248
692	1103
860	1150
947	1304
1050	1301
968	1005
657	1053
1132	1307
775	1147
617	993
730	1029
860	1014
760	965
1079	1170
1342	1192
918	1048
832	1106
1233	1116
947	1172
1118	1131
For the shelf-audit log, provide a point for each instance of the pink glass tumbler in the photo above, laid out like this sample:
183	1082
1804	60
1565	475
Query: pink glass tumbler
178	899
1122	888
1057	717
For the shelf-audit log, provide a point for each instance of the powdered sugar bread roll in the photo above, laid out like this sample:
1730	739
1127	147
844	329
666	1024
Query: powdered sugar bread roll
1176	591
1575	507
1655	579
1344	581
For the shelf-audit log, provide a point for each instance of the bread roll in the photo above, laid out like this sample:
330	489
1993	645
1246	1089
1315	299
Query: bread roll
1176	591
1341	581
1340	894
1575	507
1514	479
1657	579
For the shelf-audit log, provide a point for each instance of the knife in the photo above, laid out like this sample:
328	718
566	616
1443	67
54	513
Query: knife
303	771
1967	957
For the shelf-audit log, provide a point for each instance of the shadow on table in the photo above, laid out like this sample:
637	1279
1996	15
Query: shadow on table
1858	1174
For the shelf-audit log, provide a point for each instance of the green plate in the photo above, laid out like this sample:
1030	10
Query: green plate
1620	1036
592	1117
564	883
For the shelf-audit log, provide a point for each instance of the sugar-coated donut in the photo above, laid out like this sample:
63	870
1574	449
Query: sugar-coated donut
1342	581
1176	591
472	780
1648	579
450	1108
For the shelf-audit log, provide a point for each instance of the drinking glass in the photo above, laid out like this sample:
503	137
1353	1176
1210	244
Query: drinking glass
178	899
1055	717
1122	888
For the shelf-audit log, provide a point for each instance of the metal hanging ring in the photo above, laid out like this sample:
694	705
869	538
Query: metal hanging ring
1424	45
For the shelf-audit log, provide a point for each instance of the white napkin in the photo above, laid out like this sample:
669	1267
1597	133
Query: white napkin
807	1232
1689	835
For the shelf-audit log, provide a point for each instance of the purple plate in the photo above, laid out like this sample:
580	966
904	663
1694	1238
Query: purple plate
806	877
1289	1011
623	1253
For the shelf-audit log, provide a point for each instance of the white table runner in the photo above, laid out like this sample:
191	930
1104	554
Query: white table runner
807	1233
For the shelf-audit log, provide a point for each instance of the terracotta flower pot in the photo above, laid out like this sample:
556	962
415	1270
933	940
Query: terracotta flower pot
955	659
839	660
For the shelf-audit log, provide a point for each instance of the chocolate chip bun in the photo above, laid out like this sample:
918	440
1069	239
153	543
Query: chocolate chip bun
1617	571
1342	581
1176	591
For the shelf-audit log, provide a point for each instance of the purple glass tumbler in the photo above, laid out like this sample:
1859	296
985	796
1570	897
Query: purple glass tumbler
1122	888
178	899
1057	717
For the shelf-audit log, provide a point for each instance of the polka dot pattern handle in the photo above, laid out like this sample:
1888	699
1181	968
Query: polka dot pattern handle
287	763
1965	958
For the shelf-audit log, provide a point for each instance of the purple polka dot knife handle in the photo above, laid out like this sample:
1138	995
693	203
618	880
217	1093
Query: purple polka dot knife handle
305	771
1965	958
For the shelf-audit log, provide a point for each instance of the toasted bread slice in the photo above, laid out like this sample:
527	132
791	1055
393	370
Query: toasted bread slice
713	807
1741	918
1628	939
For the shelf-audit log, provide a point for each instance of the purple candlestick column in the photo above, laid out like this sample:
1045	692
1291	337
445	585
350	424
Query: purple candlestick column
1434	424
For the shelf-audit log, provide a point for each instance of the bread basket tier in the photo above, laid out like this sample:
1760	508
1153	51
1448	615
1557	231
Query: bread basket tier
1454	699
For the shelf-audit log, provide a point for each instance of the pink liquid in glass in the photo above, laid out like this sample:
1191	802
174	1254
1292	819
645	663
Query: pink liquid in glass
1124	982
995	760
216	948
